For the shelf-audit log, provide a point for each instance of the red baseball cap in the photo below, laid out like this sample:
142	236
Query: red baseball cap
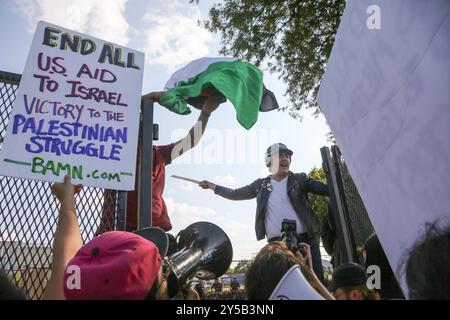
114	265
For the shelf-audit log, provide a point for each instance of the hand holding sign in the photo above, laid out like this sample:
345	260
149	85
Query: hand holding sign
65	189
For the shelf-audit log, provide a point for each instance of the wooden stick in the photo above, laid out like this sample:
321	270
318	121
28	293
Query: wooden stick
184	178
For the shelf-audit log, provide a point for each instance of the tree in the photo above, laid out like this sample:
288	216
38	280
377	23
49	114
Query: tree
293	37
318	203
241	267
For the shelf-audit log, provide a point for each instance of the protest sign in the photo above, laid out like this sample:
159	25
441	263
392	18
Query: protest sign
76	111
385	95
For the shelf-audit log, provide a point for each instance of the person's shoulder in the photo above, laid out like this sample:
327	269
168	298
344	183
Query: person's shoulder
266	178
257	181
163	152
164	147
300	175
261	181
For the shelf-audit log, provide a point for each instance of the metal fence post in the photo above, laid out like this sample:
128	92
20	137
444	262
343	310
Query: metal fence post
358	221
146	166
342	232
121	210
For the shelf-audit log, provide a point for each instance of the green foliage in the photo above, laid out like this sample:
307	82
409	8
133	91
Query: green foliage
318	203
18	279
293	37
241	267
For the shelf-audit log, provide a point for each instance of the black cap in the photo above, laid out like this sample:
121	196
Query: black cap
348	274
157	236
275	149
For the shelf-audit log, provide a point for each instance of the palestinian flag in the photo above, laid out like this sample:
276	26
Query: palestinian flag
235	80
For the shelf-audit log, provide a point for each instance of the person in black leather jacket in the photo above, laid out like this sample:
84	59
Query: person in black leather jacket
281	195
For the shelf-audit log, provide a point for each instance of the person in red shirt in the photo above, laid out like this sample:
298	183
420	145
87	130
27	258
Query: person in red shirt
162	156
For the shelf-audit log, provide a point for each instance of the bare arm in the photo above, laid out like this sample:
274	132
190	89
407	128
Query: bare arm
194	135
67	240
312	278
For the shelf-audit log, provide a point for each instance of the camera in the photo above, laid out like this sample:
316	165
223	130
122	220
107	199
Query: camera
289	234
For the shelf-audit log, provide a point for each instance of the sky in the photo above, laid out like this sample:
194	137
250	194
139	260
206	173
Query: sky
170	36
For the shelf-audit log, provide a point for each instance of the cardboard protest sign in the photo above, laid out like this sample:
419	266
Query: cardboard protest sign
76	111
386	97
294	286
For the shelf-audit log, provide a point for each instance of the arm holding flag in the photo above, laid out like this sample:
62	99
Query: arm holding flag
211	103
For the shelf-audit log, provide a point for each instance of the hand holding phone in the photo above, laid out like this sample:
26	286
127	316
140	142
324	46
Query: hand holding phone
305	250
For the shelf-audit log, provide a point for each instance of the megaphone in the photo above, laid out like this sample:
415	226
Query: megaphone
204	251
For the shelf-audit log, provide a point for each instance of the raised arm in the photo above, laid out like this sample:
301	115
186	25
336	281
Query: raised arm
314	186
67	240
194	135
311	277
248	192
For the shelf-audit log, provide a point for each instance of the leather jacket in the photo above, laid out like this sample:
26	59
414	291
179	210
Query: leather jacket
298	187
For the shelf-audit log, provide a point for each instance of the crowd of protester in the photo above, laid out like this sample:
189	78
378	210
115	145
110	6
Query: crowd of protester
134	266
425	267
131	265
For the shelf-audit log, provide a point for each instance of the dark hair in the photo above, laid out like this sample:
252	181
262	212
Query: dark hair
151	295
267	269
8	291
375	255
173	246
366	292
427	265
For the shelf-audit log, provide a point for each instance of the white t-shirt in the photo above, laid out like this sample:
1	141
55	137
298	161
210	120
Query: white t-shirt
279	207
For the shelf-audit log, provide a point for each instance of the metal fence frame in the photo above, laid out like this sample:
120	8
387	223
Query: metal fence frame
353	225
343	247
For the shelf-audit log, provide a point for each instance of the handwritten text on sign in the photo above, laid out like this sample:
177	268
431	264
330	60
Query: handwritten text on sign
76	111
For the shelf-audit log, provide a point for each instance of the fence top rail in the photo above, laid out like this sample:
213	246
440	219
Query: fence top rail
9	77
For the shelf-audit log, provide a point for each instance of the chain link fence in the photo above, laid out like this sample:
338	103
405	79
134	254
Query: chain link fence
352	223
360	226
29	213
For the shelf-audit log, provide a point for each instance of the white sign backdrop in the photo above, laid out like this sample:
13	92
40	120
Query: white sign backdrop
76	111
386	97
